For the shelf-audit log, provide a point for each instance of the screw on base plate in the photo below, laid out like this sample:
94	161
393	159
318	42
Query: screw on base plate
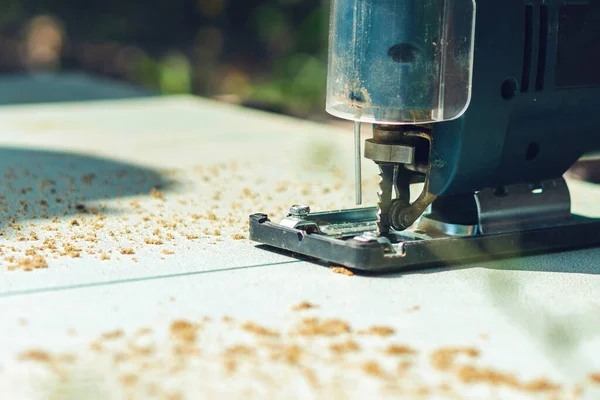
299	210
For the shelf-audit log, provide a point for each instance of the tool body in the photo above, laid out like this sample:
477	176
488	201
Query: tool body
486	103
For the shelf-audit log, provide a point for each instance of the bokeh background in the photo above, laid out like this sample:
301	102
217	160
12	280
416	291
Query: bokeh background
268	54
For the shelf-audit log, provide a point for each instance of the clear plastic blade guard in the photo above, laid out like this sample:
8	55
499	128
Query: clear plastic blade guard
400	61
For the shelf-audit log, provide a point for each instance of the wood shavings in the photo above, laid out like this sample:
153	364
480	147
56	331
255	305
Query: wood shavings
399	350
29	264
342	271
595	377
378	331
317	327
443	359
36	355
259	330
349	346
128	251
157	194
113	335
374	369
305	305
289	354
184	331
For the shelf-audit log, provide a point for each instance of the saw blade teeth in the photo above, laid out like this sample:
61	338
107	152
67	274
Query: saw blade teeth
385	197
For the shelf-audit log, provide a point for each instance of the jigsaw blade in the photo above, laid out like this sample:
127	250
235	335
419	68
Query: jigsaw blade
386	176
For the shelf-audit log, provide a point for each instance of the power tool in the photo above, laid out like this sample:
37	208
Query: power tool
485	103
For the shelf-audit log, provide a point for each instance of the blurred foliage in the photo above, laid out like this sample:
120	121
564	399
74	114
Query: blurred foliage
269	53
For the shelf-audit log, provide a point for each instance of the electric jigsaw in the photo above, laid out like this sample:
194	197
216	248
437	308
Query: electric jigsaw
485	103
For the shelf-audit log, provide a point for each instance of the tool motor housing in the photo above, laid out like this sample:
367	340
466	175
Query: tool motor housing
535	101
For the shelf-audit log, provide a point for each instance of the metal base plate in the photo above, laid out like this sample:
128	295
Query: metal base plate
338	237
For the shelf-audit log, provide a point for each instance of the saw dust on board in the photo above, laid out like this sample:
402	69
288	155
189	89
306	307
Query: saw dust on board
235	358
112	214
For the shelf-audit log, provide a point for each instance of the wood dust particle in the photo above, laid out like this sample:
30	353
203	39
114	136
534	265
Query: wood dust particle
595	377
87	178
413	309
157	194
231	365
167	252
240	350
472	375
540	385
211	216
127	251
67	358
128	379
349	346
75	222
342	271
304	306
143	332
288	354
378	331
35	355
238	236
443	359
259	330
316	327
113	335
153	241
399	350
373	369
29	264
184	331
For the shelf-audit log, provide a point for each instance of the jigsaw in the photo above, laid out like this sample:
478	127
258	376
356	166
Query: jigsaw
485	104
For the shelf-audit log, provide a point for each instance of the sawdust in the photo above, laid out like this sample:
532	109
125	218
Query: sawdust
317	327
128	379
378	331
259	330
157	194
289	354
342	271
595	377
372	368
305	305
471	374
299	356
400	350
540	385
349	346
443	359
113	335
128	251
184	331
240	350
36	355
29	264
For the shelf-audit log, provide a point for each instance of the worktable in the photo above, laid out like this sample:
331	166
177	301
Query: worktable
127	273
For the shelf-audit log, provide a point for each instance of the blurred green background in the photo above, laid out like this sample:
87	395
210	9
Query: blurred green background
269	54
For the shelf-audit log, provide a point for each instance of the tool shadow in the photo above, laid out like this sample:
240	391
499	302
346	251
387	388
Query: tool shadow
584	261
44	184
